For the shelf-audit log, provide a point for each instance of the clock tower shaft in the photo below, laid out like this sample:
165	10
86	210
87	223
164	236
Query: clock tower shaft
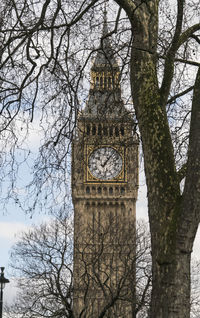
104	227
104	193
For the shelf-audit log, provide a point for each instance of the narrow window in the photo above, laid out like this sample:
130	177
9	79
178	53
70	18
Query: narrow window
94	130
122	190
105	131
113	82
97	81
88	130
122	130
109	82
123	209
101	82
87	190
99	190
105	82
99	130
116	131
87	205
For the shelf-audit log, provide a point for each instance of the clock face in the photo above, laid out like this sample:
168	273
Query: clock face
105	163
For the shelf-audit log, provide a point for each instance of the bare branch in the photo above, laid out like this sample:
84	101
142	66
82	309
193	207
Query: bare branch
169	61
173	98
182	172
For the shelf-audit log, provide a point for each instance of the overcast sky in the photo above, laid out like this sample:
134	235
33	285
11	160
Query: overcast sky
15	222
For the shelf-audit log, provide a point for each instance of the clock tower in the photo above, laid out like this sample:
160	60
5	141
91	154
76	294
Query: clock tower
104	193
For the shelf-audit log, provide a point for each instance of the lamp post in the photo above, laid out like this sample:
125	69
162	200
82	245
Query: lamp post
3	281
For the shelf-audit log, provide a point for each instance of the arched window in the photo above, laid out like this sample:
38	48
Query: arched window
122	190
87	190
99	190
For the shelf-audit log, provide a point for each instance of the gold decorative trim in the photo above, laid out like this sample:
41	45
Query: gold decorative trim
89	178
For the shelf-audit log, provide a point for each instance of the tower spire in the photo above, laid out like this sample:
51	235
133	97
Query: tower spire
105	55
105	26
105	91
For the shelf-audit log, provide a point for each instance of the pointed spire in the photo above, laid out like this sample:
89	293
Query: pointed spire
105	26
105	92
105	55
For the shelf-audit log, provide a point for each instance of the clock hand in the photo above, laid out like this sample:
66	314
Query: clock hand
103	165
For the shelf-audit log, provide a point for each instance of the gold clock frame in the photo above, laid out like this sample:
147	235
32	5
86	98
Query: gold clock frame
121	177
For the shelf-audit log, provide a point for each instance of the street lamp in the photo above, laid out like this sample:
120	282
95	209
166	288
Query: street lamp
3	281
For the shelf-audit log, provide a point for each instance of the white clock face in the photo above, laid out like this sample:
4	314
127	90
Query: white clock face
105	163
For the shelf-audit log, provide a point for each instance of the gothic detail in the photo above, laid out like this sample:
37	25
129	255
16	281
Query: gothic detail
104	192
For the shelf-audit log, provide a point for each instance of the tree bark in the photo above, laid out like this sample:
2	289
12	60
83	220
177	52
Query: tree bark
170	263
171	287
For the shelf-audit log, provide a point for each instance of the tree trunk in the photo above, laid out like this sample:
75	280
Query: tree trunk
173	217
171	287
171	264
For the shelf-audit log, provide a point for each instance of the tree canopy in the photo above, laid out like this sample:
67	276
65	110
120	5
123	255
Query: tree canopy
42	261
46	48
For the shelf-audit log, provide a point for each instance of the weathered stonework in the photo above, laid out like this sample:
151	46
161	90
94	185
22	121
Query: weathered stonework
104	209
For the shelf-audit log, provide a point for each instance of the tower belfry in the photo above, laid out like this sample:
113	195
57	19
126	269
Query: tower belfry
104	192
105	92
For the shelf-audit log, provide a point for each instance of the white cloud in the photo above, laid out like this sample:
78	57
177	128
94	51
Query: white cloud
35	135
10	291
8	230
